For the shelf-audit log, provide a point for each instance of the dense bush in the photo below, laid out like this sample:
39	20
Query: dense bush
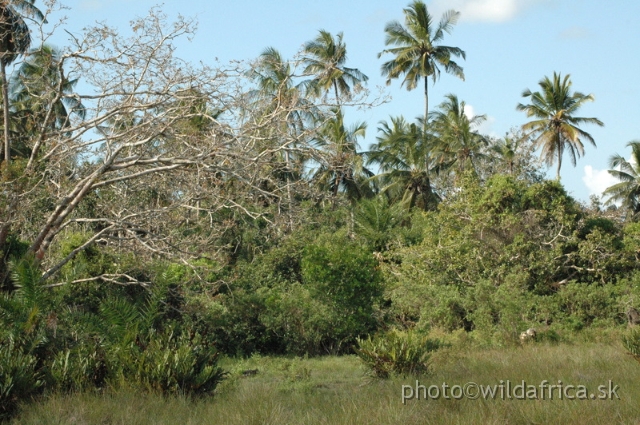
396	352
494	260
506	255
311	295
20	377
346	279
140	337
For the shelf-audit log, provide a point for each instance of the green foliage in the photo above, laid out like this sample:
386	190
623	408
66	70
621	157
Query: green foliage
380	223
583	304
83	367
235	322
109	335
13	249
174	364
20	378
346	278
25	331
631	342
508	255
88	262
170	363
631	239
26	315
308	296
397	352
302	322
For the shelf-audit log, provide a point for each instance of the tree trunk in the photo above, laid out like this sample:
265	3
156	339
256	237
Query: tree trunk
426	103
5	106
289	196
559	148
425	124
336	185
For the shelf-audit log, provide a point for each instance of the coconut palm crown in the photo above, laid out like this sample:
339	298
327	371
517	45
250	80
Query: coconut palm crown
15	40
324	58
417	52
555	126
627	191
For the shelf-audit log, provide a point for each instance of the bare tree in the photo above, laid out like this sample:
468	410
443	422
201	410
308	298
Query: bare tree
163	153
150	138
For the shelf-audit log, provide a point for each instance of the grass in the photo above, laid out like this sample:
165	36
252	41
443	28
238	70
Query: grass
336	390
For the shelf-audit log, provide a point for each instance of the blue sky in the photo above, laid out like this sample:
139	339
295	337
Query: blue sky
510	46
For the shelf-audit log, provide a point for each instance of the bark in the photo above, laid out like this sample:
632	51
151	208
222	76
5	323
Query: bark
5	107
559	148
426	102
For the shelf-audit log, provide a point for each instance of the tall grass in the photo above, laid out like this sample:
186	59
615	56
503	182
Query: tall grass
336	390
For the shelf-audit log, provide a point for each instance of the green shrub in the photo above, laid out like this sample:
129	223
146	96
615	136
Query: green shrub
631	342
346	278
303	323
399	352
78	369
583	303
19	377
177	364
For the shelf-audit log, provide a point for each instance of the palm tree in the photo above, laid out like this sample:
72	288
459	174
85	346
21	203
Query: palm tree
341	165
377	221
324	58
457	141
277	94
41	97
15	40
278	100
402	154
628	172
554	123
504	151
417	53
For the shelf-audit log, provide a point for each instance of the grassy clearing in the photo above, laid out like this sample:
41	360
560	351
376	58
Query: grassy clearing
336	390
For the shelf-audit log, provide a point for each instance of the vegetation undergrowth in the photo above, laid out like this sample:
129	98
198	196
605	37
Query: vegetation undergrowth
338	390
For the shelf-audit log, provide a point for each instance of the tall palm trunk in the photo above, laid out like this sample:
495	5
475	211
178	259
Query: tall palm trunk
426	103
425	124
336	186
5	107
559	149
4	229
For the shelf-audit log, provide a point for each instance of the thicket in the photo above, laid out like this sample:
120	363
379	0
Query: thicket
88	336
499	257
509	255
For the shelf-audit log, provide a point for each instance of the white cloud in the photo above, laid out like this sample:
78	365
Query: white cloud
597	180
469	111
483	10
487	125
